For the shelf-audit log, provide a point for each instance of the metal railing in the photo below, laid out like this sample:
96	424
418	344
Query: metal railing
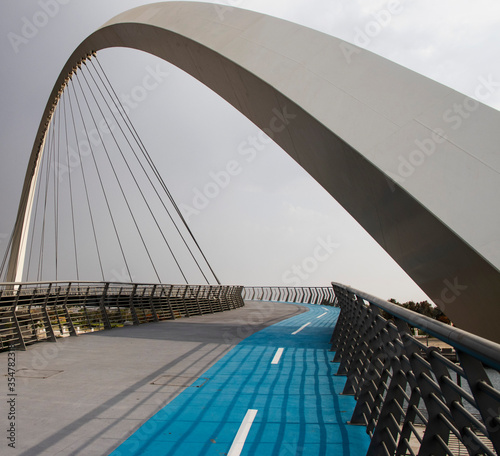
305	295
410	397
32	312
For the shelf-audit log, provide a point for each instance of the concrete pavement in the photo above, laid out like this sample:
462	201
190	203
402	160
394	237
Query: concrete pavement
85	395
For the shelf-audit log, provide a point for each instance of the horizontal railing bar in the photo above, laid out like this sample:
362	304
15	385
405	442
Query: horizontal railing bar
77	282
408	447
449	364
451	426
488	389
38	311
420	414
464	394
415	431
469	416
479	442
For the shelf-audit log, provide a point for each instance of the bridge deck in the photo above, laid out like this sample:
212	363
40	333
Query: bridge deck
87	395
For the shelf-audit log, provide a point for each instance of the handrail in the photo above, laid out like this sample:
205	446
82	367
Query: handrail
479	347
304	295
410	397
37	311
97	282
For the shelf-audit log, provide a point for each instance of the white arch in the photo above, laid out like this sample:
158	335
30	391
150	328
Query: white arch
379	138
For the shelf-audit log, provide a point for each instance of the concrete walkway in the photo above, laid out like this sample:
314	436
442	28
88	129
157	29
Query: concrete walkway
275	394
184	387
85	395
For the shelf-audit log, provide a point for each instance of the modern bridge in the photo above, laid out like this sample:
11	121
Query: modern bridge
319	370
155	369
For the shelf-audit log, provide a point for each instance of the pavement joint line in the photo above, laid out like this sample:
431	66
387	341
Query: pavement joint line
277	356
322	315
241	436
301	328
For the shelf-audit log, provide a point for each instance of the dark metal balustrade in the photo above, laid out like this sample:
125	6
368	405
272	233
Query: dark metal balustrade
32	312
410	397
305	295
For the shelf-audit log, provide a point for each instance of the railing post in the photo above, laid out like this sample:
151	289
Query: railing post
481	388
210	303
33	324
229	298
84	304
348	340
162	290
235	296
436	428
240	302
360	347
135	318
184	301
451	396
223	298
219	298
20	337
198	300
72	330
47	316
168	302
56	302
371	371
342	327
386	432
151	304
102	307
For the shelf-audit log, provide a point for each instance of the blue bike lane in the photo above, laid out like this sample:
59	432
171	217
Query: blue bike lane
275	393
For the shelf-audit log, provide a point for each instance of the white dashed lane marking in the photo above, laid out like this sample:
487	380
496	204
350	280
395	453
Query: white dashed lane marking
301	328
241	436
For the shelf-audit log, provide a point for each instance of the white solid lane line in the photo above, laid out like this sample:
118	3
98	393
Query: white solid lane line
322	315
277	356
301	328
241	436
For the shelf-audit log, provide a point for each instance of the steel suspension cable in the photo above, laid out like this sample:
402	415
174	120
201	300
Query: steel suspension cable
116	175
57	115
121	110
140	190
109	210
46	162
70	188
83	175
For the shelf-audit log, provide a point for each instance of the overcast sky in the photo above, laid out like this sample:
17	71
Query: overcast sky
272	216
